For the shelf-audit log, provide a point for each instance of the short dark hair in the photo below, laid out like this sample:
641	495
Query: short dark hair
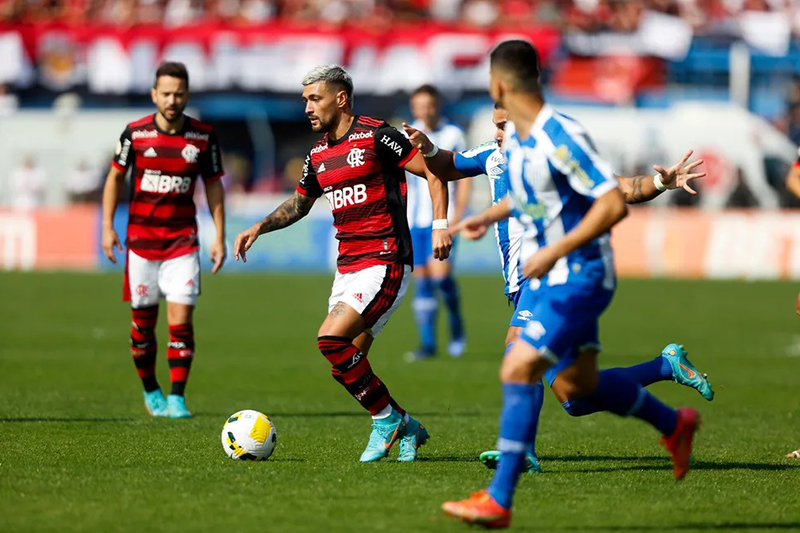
520	60
428	89
173	69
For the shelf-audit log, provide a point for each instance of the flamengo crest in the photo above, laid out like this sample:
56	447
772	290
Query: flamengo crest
190	153
356	157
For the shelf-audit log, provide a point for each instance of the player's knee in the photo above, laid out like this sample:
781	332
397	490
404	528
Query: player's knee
516	370
330	345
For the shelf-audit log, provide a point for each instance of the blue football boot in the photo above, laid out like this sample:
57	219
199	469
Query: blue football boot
385	431
155	403
684	372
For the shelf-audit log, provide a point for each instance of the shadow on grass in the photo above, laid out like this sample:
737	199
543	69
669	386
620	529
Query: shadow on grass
448	459
66	419
690	527
338	414
700	465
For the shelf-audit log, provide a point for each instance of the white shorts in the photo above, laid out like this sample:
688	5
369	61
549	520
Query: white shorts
375	293
177	280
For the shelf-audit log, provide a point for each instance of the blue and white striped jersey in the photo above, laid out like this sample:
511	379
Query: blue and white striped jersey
488	159
554	175
447	136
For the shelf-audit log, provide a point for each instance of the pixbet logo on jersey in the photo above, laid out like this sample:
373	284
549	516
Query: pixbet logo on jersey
357	194
155	182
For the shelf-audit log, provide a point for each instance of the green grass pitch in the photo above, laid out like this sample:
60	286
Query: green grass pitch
79	453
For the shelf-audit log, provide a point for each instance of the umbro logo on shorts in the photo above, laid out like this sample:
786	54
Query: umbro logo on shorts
150	152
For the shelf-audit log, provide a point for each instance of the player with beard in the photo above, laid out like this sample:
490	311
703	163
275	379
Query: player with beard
358	165
164	153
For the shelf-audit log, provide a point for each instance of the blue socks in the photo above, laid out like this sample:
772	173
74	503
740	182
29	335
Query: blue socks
451	298
620	395
648	373
425	306
518	421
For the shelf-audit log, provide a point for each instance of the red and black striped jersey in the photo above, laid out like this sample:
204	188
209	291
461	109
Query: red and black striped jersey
361	174
164	167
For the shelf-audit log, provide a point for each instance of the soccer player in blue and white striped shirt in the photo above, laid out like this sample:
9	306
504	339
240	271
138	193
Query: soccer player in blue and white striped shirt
567	199
671	365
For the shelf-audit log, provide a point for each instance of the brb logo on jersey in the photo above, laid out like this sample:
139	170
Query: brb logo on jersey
357	194
356	157
152	182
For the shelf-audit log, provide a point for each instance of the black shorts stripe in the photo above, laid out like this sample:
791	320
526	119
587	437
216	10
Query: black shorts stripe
383	301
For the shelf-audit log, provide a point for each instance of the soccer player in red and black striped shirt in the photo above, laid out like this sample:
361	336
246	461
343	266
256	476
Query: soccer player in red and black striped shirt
359	166
165	153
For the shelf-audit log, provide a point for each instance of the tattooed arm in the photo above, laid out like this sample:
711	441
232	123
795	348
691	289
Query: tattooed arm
643	188
638	189
284	215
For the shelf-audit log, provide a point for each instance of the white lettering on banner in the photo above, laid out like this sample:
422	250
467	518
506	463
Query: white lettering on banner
152	182
455	59
144	134
357	194
392	144
196	136
361	135
18	241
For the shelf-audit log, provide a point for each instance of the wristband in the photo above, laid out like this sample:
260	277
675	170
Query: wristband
658	183
433	152
440	223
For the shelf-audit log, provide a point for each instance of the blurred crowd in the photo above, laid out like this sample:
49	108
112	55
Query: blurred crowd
622	16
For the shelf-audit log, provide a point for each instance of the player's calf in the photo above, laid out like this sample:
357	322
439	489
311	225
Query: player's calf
180	354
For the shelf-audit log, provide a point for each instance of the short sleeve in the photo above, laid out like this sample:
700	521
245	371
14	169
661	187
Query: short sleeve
473	162
211	160
574	156
392	147
309	185
124	154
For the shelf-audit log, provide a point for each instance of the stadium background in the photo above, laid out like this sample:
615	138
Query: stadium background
649	79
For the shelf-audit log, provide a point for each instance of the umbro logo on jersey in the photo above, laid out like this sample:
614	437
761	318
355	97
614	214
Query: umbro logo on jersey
150	152
321	168
524	315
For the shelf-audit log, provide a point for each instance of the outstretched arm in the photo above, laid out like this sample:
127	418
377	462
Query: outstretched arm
643	188
442	163
284	215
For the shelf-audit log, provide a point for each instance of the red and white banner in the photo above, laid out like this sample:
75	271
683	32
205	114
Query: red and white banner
265	58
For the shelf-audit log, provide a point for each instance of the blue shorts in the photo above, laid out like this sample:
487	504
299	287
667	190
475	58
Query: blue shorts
560	321
422	244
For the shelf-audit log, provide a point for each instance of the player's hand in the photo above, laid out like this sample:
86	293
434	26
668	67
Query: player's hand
217	255
109	241
244	241
442	242
540	263
418	139
473	228
679	175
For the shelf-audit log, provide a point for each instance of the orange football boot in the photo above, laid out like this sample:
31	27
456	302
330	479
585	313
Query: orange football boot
479	509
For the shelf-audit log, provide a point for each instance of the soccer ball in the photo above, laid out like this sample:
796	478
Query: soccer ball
249	436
